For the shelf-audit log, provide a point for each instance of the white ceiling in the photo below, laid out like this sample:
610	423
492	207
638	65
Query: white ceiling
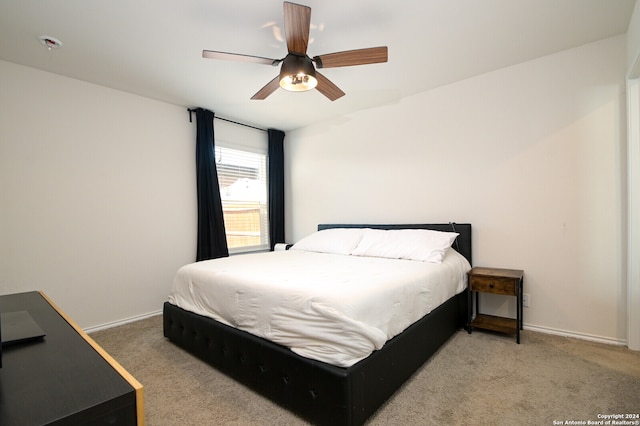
154	47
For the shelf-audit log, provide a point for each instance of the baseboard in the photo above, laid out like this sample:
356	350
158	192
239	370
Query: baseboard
582	336
90	330
536	328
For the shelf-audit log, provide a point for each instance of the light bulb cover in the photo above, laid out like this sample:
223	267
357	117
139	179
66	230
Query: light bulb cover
297	73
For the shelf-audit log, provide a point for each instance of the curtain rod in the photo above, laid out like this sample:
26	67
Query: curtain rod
227	120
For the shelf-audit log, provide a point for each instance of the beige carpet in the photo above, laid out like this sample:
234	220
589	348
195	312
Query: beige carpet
477	379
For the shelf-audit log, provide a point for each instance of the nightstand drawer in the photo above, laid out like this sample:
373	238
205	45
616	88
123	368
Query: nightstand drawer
497	285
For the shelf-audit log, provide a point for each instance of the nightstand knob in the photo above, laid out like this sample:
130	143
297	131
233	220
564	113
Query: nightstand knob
491	285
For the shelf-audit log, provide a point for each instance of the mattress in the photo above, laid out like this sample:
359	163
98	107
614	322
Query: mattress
329	307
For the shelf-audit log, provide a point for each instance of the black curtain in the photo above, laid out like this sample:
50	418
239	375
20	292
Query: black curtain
212	238
276	186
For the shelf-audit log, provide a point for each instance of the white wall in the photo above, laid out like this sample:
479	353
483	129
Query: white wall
531	155
633	153
633	39
97	195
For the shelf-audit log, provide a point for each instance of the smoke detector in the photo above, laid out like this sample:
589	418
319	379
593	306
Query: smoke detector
50	42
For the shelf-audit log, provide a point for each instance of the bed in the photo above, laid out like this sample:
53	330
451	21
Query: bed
320	391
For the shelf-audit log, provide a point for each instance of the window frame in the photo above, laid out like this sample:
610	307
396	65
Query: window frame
264	245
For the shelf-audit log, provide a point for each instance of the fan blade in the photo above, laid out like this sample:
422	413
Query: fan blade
268	89
372	55
297	20
327	88
211	54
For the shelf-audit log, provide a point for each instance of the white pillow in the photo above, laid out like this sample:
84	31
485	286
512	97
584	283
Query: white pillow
335	240
414	244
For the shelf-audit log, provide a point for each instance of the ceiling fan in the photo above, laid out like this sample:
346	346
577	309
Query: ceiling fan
297	72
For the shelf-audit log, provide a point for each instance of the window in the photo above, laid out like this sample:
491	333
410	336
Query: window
242	175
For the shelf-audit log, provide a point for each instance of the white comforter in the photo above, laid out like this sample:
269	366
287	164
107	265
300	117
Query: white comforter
329	307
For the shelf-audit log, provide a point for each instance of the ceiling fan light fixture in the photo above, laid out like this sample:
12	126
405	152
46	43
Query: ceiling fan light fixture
297	73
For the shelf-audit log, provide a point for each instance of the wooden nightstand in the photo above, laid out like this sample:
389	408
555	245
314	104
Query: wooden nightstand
507	282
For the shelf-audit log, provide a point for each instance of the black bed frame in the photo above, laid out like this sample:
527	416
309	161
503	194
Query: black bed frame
319	392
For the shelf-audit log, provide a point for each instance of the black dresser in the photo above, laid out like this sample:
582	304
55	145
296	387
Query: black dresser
65	378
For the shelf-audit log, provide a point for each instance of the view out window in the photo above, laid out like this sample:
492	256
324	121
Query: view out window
243	188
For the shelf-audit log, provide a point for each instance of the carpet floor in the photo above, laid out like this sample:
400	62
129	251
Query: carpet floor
477	379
